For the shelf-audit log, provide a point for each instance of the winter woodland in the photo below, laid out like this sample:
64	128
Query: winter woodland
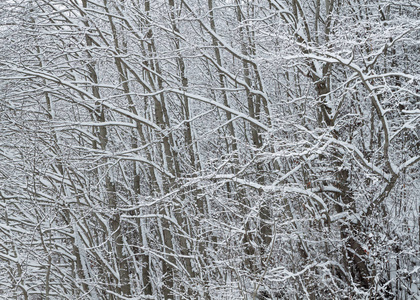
209	149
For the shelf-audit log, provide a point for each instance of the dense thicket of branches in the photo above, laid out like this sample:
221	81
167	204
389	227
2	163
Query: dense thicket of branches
209	149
